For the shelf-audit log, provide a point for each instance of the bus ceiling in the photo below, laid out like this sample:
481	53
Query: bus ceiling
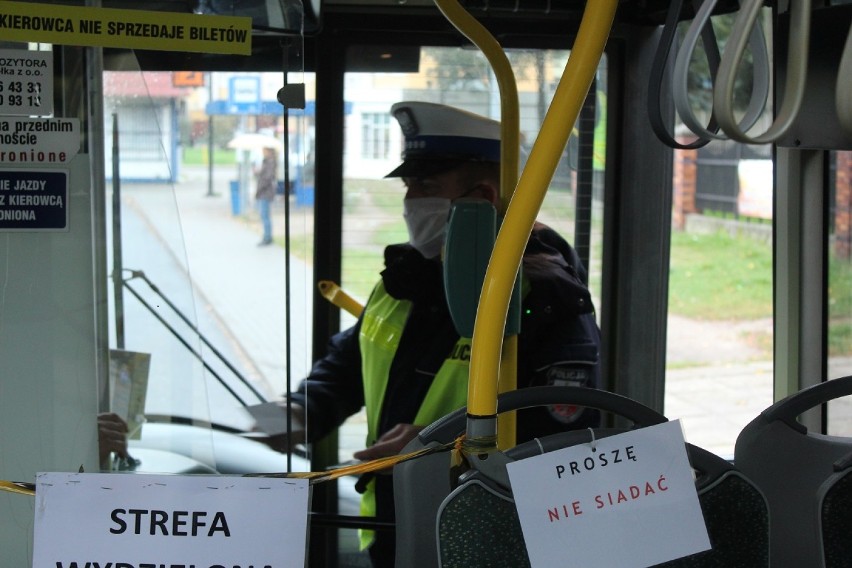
283	16
290	31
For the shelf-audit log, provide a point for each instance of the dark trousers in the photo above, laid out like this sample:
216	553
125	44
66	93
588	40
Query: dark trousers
383	549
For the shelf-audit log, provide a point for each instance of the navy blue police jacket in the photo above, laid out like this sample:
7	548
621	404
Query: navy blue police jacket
559	343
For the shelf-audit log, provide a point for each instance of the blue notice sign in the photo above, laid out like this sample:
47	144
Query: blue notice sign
244	95
33	200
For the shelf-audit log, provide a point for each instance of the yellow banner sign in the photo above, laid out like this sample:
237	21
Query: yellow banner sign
136	29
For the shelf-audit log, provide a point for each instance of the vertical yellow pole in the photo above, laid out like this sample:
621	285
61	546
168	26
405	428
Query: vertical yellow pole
524	206
509	151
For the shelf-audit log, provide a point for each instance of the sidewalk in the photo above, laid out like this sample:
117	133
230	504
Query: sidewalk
244	284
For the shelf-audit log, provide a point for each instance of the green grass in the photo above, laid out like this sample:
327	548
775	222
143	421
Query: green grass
197	155
713	276
396	232
840	339
361	270
840	307
840	289
720	277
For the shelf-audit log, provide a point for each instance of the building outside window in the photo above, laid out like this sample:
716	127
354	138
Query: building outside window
375	136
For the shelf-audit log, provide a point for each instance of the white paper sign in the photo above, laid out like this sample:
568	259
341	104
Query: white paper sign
26	82
153	521
630	503
38	142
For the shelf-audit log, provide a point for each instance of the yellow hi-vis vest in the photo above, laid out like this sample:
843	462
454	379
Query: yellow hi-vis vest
381	329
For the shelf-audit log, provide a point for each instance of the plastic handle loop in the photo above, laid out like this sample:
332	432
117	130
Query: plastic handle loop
658	72
680	82
797	67
843	93
526	202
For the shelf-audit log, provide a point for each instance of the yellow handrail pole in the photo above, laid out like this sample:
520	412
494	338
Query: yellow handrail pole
523	208
509	150
509	114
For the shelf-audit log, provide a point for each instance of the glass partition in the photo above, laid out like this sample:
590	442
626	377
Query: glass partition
184	320
203	301
151	302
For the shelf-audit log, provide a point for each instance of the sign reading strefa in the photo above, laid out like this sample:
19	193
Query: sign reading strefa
169	521
132	29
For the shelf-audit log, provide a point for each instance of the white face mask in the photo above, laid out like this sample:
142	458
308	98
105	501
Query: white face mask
426	218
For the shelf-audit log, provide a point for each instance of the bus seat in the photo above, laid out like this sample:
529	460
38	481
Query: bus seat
478	524
835	504
735	512
790	464
421	485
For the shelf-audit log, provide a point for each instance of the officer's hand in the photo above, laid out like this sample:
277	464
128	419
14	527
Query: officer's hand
391	442
112	436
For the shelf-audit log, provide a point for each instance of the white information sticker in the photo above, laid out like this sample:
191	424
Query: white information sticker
629	502
26	82
38	142
151	521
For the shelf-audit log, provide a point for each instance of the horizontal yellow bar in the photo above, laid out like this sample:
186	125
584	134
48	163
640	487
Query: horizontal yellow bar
335	294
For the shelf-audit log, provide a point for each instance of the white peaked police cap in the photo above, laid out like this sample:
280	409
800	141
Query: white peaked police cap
440	137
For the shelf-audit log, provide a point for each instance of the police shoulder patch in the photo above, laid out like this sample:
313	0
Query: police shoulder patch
566	376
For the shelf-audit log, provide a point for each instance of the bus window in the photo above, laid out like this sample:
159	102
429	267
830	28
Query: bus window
719	352
210	330
719	366
840	287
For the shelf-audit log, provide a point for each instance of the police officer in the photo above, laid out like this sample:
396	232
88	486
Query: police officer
403	360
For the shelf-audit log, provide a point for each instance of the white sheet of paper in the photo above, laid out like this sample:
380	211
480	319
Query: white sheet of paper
169	520
128	372
630	503
270	418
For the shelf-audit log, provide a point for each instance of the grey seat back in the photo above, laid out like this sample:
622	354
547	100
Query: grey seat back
789	465
735	513
835	517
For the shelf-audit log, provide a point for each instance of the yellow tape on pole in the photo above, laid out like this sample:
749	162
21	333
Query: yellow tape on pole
314	476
